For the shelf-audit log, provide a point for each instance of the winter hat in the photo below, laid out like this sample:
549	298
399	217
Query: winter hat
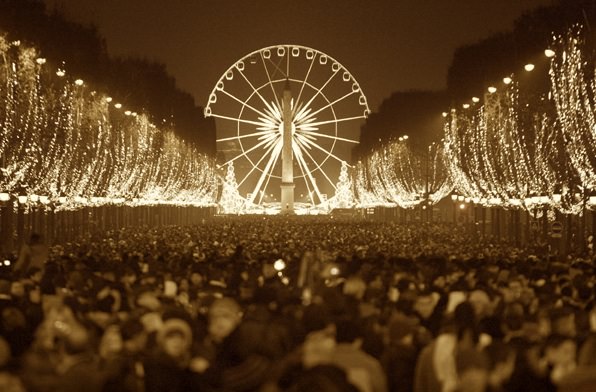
175	326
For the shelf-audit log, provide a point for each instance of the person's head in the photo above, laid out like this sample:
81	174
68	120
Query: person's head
563	322
354	287
34	274
320	335
401	328
133	335
111	343
175	338
5	353
349	331
17	290
466	323
501	358
560	350
516	287
11	383
224	316
425	304
196	279
472	370
321	378
77	340
480	302
13	318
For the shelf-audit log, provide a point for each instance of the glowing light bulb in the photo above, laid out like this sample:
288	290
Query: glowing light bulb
279	265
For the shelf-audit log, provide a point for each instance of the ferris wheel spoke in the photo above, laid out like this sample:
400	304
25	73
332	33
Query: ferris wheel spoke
298	154
315	145
256	90
288	62
254	134
259	144
264	190
314	57
301	113
304	168
270	82
243	104
305	149
309	133
270	164
320	168
316	124
320	90
277	67
311	115
269	148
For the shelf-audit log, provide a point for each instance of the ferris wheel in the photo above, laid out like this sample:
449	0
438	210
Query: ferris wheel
248	104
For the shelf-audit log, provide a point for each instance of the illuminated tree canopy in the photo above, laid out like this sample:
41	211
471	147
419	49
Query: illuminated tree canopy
62	140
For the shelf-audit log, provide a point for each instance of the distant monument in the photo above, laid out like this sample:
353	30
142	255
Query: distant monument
287	157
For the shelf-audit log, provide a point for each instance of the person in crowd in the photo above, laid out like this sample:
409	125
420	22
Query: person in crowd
401	352
33	254
355	306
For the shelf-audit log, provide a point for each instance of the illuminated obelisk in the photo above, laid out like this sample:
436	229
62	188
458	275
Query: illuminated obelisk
287	158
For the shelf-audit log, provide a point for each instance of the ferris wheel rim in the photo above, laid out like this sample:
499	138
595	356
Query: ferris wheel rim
302	47
309	133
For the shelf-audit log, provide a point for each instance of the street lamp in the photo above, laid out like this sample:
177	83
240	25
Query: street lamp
529	67
454	199
549	53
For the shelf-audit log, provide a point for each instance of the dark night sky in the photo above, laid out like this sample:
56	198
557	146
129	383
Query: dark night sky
388	45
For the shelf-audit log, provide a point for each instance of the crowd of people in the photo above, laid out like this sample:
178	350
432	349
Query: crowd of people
296	304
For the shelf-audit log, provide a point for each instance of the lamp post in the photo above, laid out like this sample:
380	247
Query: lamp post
62	219
22	201
6	229
592	204
454	199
